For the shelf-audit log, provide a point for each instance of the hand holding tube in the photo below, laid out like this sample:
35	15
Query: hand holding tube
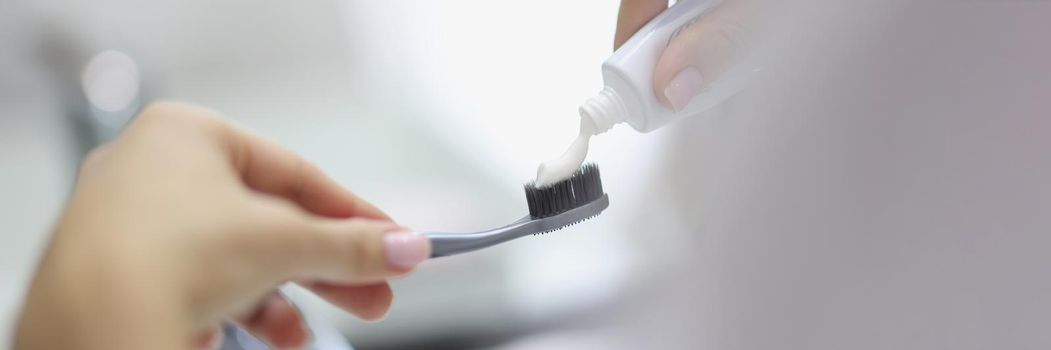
700	53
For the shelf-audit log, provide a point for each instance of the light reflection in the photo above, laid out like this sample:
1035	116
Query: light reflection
111	82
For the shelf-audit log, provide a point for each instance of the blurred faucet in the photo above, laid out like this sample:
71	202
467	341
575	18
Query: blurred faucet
100	89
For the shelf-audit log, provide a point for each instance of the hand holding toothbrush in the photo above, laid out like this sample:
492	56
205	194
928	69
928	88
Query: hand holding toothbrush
186	221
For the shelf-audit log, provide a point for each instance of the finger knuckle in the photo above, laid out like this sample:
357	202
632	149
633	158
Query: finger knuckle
727	34
160	112
362	250
734	34
167	115
95	157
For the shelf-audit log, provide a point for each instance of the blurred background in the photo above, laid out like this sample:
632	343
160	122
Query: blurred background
884	186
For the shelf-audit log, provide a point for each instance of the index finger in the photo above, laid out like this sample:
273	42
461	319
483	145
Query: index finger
269	168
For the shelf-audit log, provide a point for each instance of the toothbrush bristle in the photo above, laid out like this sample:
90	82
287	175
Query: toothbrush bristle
559	228
583	187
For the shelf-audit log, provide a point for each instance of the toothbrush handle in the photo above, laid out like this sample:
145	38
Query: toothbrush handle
445	244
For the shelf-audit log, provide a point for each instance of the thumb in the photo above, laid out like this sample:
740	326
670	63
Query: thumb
702	52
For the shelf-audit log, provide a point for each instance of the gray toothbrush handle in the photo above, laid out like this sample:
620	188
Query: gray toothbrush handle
445	244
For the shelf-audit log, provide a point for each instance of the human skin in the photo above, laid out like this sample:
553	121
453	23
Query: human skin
186	221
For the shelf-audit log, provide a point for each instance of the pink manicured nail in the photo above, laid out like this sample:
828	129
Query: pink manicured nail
406	250
683	87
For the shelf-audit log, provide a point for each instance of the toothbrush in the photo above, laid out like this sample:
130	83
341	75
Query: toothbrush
553	207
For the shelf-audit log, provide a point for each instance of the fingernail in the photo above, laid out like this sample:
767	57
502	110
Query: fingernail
406	250
683	87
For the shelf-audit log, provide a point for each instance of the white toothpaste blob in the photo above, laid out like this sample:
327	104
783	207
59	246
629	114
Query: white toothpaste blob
561	168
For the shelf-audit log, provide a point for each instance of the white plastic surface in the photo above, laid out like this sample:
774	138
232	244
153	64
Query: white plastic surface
628	74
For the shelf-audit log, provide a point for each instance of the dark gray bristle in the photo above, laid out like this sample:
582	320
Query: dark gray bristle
556	229
583	187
